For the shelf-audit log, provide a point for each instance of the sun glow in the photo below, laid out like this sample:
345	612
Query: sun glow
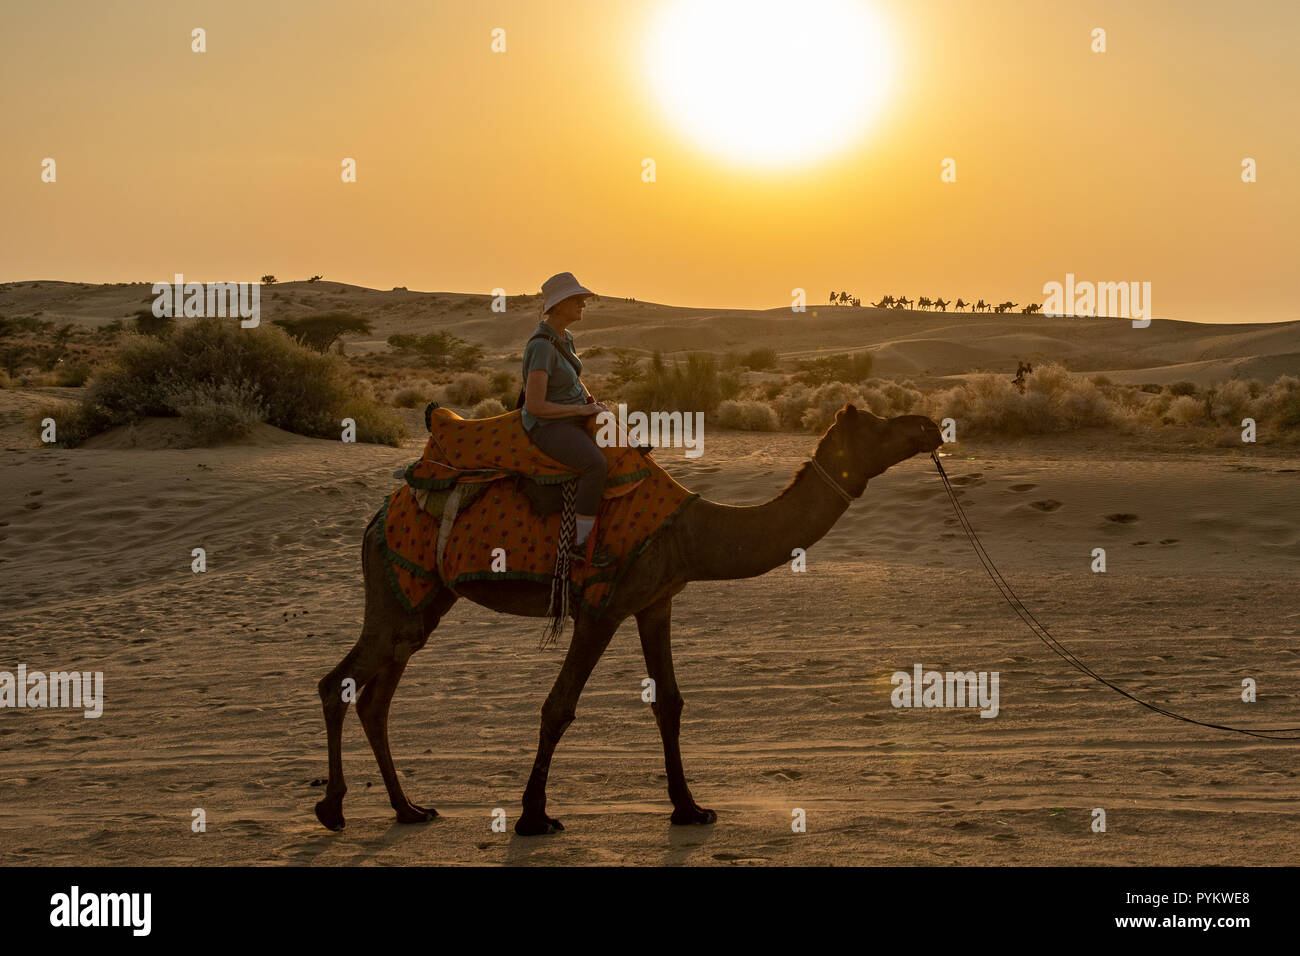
770	83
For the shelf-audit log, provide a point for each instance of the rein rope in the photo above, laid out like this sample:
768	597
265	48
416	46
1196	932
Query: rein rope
1061	650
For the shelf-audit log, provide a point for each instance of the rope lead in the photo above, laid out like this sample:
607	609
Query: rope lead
1060	649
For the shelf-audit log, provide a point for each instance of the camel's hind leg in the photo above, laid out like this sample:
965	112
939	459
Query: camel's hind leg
389	635
655	626
375	702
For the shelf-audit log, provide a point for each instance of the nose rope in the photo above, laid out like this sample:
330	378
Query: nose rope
1041	632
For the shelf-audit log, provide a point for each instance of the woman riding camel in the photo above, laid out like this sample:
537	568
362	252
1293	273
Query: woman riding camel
557	405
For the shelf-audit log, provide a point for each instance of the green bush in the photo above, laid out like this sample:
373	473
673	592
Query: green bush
300	390
759	360
852	368
1054	401
218	412
696	386
320	332
146	323
468	389
747	416
71	375
74	422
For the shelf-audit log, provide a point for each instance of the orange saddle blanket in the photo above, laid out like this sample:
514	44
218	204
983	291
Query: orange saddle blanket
495	533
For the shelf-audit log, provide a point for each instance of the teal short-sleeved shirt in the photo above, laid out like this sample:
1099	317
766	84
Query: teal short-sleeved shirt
562	383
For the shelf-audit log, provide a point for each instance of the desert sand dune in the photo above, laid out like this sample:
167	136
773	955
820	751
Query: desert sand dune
210	678
904	343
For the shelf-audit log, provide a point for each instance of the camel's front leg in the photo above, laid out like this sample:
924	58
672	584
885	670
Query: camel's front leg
589	642
655	626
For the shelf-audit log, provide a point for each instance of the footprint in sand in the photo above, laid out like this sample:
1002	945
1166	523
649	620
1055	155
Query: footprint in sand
1023	487
1169	541
1122	518
737	858
1048	505
790	776
966	479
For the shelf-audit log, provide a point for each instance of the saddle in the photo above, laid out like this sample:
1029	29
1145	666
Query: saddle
484	502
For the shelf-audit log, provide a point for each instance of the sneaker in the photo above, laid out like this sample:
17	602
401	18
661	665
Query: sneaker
600	558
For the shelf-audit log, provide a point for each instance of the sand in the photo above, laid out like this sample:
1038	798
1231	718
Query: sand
210	678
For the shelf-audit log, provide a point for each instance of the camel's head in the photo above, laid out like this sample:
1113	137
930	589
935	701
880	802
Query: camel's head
873	444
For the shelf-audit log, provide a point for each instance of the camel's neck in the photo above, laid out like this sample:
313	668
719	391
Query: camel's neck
726	541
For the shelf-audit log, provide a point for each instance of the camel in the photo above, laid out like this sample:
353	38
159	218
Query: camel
962	305
923	302
1005	307
1031	309
709	541
903	302
981	306
884	303
941	305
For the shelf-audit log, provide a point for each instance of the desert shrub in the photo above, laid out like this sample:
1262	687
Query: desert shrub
1055	400
1279	404
696	386
321	332
74	422
72	375
488	408
146	323
1181	388
412	396
852	368
505	382
791	403
824	402
747	416
759	360
627	368
1100	380
439	349
1230	402
302	391
468	389
888	399
1186	410
217	412
1151	389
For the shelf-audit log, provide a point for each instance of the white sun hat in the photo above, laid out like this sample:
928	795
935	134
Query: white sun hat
560	287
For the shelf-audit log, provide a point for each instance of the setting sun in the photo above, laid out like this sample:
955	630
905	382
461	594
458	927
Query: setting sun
769	83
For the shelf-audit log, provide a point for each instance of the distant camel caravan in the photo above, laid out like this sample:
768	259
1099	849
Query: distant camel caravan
706	542
938	305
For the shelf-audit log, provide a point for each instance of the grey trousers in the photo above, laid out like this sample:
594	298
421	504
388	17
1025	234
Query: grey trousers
566	440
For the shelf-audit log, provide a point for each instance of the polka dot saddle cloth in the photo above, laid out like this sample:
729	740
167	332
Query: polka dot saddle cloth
496	534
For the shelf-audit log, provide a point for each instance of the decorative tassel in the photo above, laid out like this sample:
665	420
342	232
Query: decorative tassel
558	609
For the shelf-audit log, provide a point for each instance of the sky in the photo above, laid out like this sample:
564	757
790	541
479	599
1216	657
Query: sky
478	170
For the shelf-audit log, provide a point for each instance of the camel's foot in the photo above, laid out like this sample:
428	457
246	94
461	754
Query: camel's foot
536	824
415	814
330	812
695	813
